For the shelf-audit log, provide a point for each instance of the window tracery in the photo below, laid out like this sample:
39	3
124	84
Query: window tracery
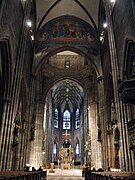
56	118
77	119
66	120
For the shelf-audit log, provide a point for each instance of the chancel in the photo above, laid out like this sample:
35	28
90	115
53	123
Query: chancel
66	153
67	85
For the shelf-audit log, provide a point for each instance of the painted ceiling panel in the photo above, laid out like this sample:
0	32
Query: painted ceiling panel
67	30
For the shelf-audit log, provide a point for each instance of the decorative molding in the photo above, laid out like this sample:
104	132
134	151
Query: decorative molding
131	133
7	100
127	91
100	78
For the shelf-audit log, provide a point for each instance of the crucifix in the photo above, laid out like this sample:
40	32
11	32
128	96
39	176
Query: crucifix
66	134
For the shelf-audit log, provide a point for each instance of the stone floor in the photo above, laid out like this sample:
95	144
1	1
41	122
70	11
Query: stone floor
64	178
58	174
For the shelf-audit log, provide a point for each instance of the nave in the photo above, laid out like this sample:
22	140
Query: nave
67	84
64	178
72	174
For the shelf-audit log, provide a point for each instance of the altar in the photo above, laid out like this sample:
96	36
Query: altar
65	166
66	157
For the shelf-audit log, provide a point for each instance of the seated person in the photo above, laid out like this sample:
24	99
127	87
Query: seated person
33	169
40	169
100	170
86	169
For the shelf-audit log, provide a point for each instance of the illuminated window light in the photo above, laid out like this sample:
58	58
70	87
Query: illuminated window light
101	38
105	25
32	37
112	1
102	33
29	23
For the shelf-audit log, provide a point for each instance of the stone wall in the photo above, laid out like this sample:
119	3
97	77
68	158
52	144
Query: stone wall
124	25
15	32
11	24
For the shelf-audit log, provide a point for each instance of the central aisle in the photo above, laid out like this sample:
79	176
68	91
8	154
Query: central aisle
64	178
65	174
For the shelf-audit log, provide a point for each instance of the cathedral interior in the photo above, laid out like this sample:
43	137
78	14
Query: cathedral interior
67	83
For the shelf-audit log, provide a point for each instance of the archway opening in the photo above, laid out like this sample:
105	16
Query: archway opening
67	122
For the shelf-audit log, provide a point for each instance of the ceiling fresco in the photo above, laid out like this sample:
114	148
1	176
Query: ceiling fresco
66	30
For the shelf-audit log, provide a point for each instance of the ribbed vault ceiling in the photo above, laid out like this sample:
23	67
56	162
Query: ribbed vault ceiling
84	9
67	93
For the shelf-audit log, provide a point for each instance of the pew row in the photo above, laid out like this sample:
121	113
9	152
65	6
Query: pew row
21	175
109	175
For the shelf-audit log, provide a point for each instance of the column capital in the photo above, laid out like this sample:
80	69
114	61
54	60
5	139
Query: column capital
7	100
100	78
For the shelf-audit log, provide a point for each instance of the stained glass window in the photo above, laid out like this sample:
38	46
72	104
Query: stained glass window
55	149
56	118
77	151
77	119
66	120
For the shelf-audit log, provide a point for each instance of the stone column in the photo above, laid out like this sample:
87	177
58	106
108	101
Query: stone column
115	69
30	120
50	129
45	145
48	133
6	150
101	122
4	124
36	156
95	146
84	129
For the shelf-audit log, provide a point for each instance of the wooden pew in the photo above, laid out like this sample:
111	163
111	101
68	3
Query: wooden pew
21	175
111	175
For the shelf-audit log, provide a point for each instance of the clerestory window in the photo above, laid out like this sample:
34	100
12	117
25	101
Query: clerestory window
77	119
66	120
56	118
